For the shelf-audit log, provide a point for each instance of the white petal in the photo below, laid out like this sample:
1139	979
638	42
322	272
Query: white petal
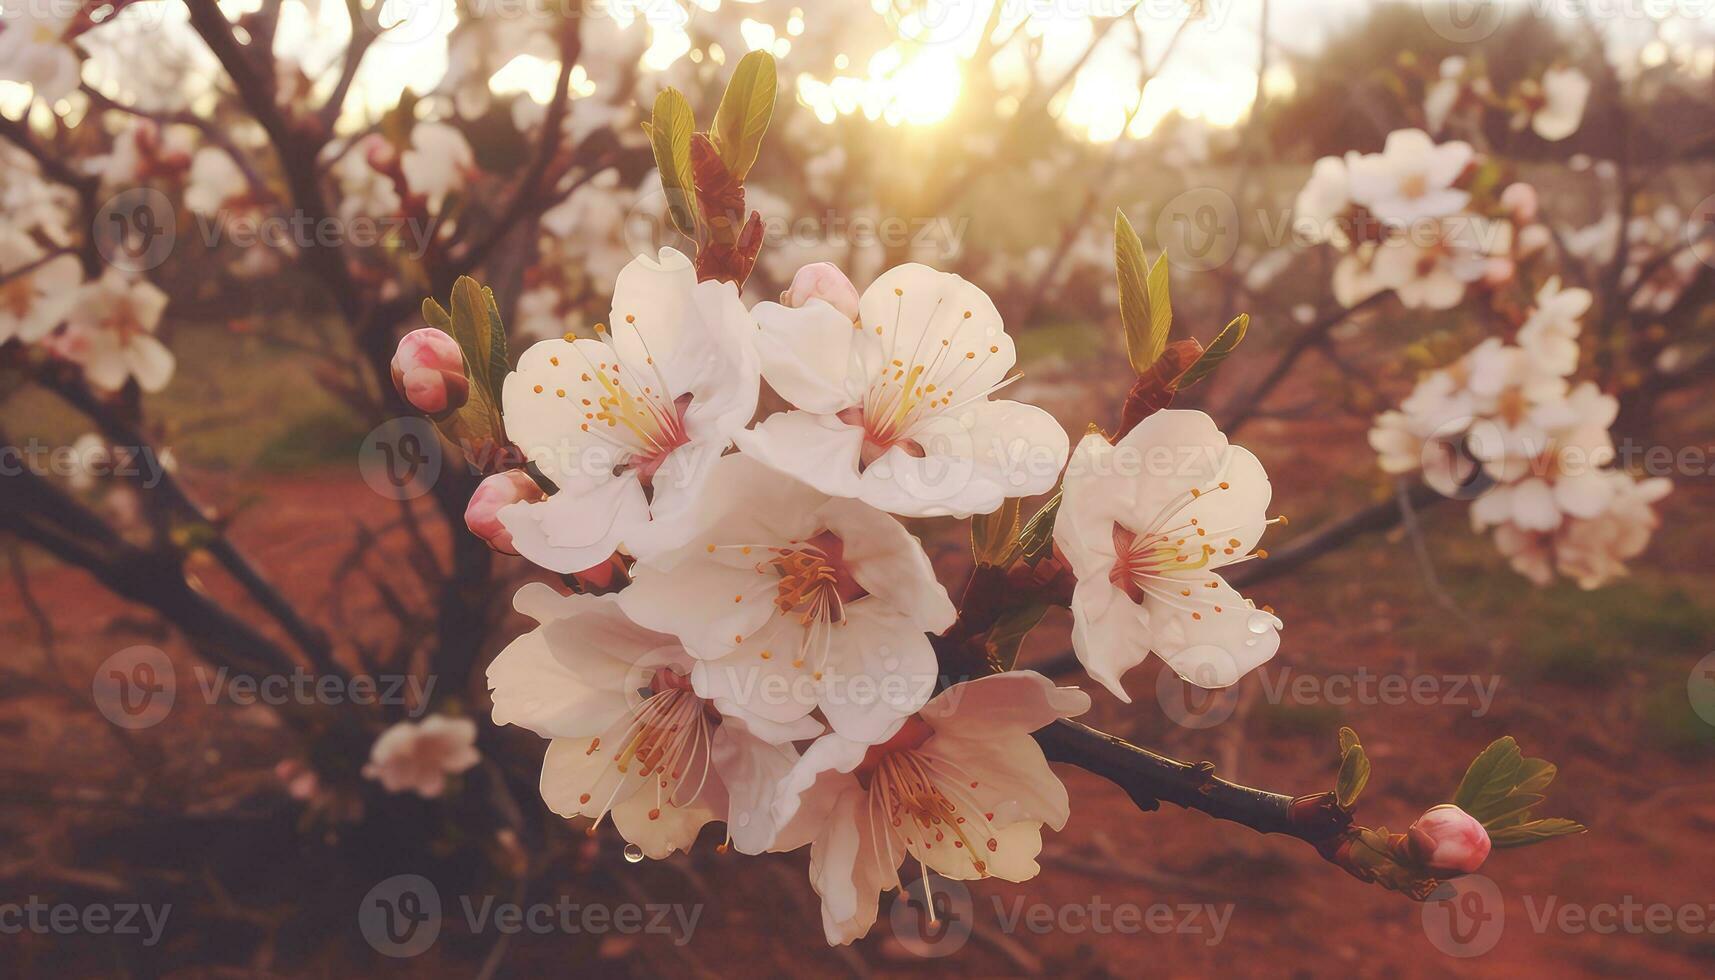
889	563
572	531
1015	701
751	769
819	450
807	354
881	669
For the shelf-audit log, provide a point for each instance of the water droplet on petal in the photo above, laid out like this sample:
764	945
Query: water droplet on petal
633	853
743	820
1260	622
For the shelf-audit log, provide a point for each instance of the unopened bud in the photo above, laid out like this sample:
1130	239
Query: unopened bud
482	514
823	281
1448	841
428	370
1521	202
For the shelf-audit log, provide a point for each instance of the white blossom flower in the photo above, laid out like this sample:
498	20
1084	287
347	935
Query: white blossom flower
1550	458
1550	333
793	600
364	189
1146	524
33	303
961	787
1326	196
1594	551
590	225
1411	179
630	737
216	182
142	149
1564	93
439	162
419	757
34	49
894	409
1431	271
110	333
629	425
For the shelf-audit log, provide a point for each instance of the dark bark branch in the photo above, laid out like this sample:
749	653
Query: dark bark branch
1244	406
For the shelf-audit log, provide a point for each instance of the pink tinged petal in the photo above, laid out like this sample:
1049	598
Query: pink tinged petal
804	801
1585	494
824	282
750	769
572	676
572	531
770	690
482	514
880	670
1012	775
889	563
1110	633
1015	701
579	780
1214	637
845	871
806	354
1533	506
709	606
659	826
971	460
428	348
150	361
819	450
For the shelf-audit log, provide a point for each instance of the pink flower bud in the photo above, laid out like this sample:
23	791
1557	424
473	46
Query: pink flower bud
430	348
482	514
1520	201
428	370
823	281
1448	841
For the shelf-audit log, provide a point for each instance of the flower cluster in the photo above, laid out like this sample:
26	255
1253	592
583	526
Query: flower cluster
761	651
1406	220
1506	428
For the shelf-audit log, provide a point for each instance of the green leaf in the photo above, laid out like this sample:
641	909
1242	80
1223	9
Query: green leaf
1535	832
498	365
1037	534
1354	770
670	137
1135	279
1348	738
1490	777
1009	631
994	536
1217	351
436	316
744	112
1160	304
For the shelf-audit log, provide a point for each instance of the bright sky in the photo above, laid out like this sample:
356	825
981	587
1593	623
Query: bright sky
916	80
